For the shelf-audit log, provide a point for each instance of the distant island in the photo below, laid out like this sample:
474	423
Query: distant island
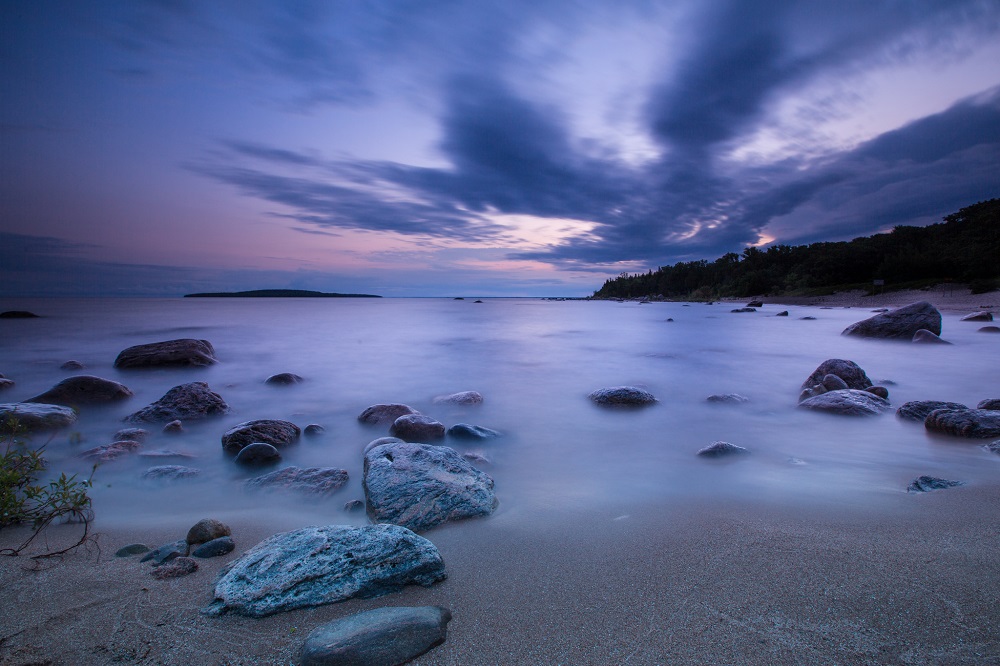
277	293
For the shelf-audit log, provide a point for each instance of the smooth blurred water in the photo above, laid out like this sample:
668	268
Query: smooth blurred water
535	361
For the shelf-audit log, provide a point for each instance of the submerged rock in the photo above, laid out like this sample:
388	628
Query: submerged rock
278	434
187	401
6	383
72	365
132	434
472	432
378	637
990	329
417	428
170	473
257	453
622	396
973	423
918	410
461	398
978	316
313	430
385	413
18	314
925	337
420	486
728	398
170	353
722	450
849	371
320	565
283	379
35	416
899	324
925	484
311	480
847	402
747	309
112	451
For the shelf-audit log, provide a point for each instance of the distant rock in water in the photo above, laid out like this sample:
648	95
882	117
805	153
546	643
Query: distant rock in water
313	430
925	484
472	432
622	396
277	433
187	401
112	451
747	309
6	383
171	353
170	473
385	413
783	313
926	337
257	453
918	410
417	428
722	450
990	329
978	316
312	480
461	398
728	398
35	416
83	390
755	304
71	365
972	423
900	324
849	371
989	403
277	293
283	379
847	402
18	314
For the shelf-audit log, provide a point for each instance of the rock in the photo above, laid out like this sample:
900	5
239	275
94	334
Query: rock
728	398
35	416
206	530
899	324
187	401
420	486
461	398
166	453
215	548
847	402
978	316
918	410
170	473
849	371
18	314
320	565
755	304
380	441
417	428
387	413
807	318
278	434
744	310
83	390
722	450
926	337
354	505
131	434
167	552
783	313
990	329
170	353
817	389
467	431
313	430
477	458
989	403
833	383
112	451
173	428
257	453
378	637
6	383
925	484
880	391
311	480
180	566
973	423
132	549
72	365
283	379
622	396
993	447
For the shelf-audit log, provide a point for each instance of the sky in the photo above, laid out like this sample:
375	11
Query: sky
444	147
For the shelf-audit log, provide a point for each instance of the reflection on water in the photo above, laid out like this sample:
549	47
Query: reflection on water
535	362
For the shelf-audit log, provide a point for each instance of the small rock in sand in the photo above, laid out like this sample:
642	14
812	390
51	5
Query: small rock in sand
925	484
180	566
214	548
132	549
167	552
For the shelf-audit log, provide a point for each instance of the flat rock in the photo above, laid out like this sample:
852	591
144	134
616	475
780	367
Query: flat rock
722	450
972	423
35	416
849	371
925	337
167	552
417	428
18	314
899	324
206	530
989	403
278	434
385	413
848	402
925	484
311	480
320	565
461	398
170	353
728	398
990	329
132	549
170	473
419	486
471	432
166	454
622	396
918	410
112	451
177	567
978	316
258	453
215	548
283	379
187	401
378	637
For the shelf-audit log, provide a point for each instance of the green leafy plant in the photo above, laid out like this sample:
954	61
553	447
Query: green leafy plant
24	500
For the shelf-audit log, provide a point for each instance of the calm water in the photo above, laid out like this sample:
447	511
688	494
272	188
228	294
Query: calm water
535	362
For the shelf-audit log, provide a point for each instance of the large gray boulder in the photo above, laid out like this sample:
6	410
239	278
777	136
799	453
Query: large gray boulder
847	402
917	410
170	353
417	428
899	324
849	371
83	390
34	416
378	637
973	423
385	413
277	433
622	396
187	401
321	565
311	480
420	485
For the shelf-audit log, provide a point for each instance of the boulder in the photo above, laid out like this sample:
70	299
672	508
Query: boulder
728	398
283	379
847	402
849	371
170	353
18	314
256	454
377	637
35	416
206	530
417	428
419	486
925	484
187	401
385	413
722	450
622	396
925	337
989	403
978	316
278	434
472	432
215	548
320	565
112	451
170	473
917	410
177	567
972	423
899	324
311	480
460	398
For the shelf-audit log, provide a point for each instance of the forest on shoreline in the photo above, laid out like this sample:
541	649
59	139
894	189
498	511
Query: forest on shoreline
964	248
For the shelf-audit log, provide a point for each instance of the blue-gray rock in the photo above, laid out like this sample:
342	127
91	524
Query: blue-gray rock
783	313
187	401
899	324
378	637
321	565
728	398
622	396
175	568
311	480
744	310
283	379
35	416
133	434
72	365
989	329
461	398
808	318
722	450
849	371
257	453
989	403
978	316
832	382
170	353
215	548
83	390
313	430
474	432
924	337
419	486
384	413
993	447
354	505
925	484
417	428
167	552
112	451
972	423
170	473
132	549
917	410
277	433
847	402
379	442
207	529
